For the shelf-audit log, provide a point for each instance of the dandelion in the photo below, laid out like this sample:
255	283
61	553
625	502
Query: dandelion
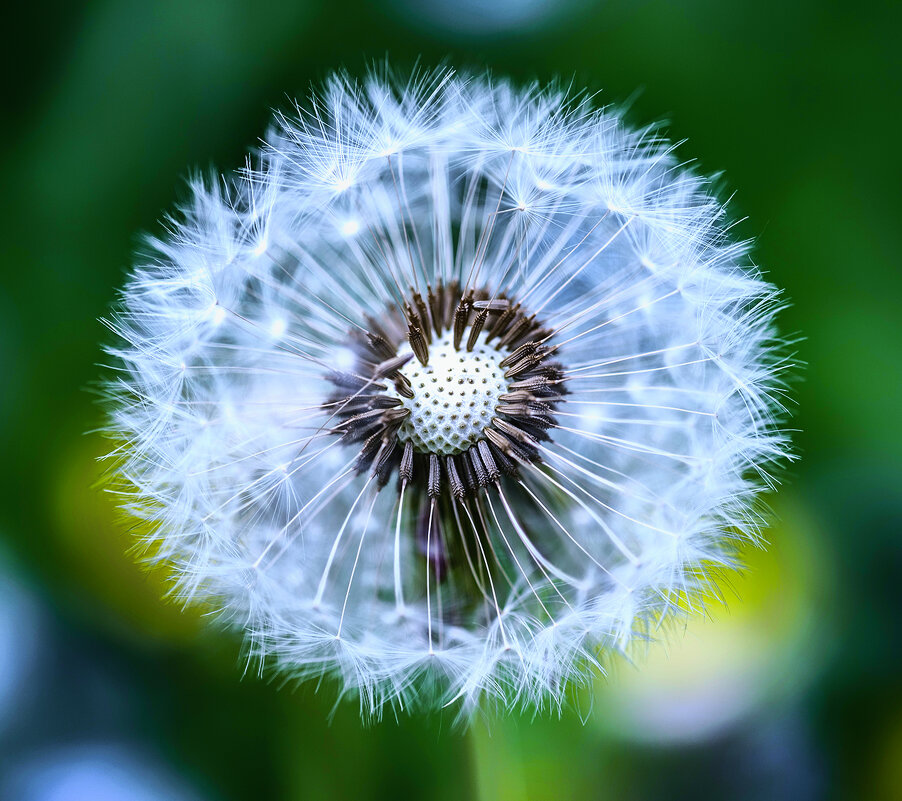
454	390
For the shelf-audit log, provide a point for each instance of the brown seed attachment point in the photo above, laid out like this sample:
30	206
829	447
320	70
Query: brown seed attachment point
405	469
459	410
418	343
476	328
434	482
390	366
461	316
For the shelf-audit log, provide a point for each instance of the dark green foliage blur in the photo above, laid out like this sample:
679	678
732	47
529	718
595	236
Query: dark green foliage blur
794	693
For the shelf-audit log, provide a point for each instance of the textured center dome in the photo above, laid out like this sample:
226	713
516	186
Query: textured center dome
454	396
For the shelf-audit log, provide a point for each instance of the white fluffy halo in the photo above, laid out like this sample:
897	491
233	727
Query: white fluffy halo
264	344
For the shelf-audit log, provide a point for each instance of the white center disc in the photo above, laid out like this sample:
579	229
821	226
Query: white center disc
454	396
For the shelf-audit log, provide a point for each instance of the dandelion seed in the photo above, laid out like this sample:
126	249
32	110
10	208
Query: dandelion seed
459	388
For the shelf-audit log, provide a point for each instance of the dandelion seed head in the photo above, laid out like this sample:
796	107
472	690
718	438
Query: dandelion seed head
455	389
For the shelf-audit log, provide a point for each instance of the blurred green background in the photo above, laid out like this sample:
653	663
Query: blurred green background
793	692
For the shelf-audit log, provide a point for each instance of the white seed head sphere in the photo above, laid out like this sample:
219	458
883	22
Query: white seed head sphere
457	388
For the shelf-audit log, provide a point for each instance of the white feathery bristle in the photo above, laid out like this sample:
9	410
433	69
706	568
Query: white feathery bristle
618	490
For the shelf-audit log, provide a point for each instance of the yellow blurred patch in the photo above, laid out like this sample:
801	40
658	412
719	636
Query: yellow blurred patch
101	545
760	645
